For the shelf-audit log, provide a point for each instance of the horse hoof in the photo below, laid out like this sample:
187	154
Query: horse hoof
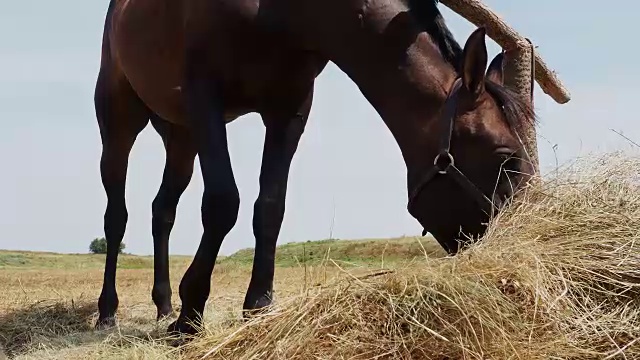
259	307
164	313
106	323
181	327
248	314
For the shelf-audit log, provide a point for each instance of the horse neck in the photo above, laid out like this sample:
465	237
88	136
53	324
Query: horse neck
409	100
397	66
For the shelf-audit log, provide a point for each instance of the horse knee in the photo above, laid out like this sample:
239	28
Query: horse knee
115	221
220	208
268	215
163	211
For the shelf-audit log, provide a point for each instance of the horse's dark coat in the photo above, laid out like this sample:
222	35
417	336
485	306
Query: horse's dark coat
191	66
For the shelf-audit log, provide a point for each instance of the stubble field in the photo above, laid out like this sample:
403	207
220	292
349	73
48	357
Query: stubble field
48	302
557	276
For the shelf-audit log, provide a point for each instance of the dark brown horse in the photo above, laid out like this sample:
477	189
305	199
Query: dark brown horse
191	66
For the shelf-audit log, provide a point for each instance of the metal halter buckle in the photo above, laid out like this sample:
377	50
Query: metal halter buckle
442	169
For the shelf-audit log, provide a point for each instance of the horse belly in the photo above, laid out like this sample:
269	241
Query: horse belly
147	46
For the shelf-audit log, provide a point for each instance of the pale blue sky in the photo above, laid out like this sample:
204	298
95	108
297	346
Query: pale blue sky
51	197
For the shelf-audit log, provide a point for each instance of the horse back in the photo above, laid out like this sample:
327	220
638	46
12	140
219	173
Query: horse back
251	60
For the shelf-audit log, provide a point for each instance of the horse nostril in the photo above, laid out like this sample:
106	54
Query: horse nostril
506	197
498	202
501	199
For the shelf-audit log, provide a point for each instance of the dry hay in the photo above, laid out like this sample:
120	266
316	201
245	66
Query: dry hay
44	319
556	276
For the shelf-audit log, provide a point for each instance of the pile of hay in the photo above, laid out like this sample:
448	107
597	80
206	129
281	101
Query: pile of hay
556	276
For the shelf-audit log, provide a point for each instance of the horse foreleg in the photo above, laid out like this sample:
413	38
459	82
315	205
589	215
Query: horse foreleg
220	201
178	169
121	117
283	132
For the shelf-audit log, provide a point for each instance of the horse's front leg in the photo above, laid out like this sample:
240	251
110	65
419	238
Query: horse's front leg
220	201
284	127
178	169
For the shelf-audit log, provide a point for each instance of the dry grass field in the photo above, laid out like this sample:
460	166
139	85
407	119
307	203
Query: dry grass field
557	276
48	301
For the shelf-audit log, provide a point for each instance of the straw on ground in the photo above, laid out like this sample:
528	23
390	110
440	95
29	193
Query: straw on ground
556	277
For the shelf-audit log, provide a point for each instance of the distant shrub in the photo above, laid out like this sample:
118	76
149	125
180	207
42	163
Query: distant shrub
99	246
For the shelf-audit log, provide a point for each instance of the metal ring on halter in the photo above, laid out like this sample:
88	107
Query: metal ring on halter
451	162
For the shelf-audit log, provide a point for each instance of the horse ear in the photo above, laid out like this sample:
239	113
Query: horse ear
494	72
474	62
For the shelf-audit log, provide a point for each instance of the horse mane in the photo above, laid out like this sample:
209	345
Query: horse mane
513	106
428	15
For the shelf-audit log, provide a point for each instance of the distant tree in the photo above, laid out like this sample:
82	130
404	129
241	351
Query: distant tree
99	246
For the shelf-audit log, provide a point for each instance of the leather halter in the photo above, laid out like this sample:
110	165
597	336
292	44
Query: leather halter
444	162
